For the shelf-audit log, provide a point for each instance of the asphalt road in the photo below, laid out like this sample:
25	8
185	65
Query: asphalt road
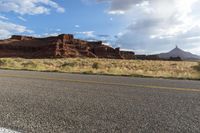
56	102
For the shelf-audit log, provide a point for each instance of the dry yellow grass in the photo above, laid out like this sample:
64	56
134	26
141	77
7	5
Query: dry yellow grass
165	69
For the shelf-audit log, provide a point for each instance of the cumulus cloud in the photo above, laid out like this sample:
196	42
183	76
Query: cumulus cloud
157	25
3	17
7	29
119	6
86	33
30	7
23	7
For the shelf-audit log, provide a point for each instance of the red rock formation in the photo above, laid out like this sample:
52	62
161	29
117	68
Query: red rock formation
17	37
60	46
152	57
147	57
127	54
141	57
104	51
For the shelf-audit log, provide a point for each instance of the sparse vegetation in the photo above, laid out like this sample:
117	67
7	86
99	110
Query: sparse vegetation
197	67
95	65
165	69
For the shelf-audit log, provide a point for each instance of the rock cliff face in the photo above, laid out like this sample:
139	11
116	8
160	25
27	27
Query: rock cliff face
61	46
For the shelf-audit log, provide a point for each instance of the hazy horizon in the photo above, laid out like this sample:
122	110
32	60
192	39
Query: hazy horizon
149	26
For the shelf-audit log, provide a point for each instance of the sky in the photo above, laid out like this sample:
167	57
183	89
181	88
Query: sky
144	26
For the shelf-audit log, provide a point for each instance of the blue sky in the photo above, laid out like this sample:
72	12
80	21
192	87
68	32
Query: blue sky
144	26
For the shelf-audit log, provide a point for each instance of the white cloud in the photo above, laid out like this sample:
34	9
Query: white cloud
50	34
154	25
7	29
120	6
119	12
22	7
77	26
3	17
30	7
21	18
86	33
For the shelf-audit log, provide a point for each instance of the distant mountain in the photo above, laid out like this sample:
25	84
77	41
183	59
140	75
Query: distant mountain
177	52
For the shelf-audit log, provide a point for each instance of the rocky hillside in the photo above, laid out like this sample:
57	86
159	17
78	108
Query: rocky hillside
61	46
177	52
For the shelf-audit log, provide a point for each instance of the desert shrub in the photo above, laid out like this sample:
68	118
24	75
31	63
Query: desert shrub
29	64
95	65
2	62
68	64
197	67
48	63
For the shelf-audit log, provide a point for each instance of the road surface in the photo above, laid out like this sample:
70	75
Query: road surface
41	102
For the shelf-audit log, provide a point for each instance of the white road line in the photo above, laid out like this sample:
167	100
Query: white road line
4	130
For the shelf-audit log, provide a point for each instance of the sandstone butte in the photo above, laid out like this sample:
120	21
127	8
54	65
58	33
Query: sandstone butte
61	46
